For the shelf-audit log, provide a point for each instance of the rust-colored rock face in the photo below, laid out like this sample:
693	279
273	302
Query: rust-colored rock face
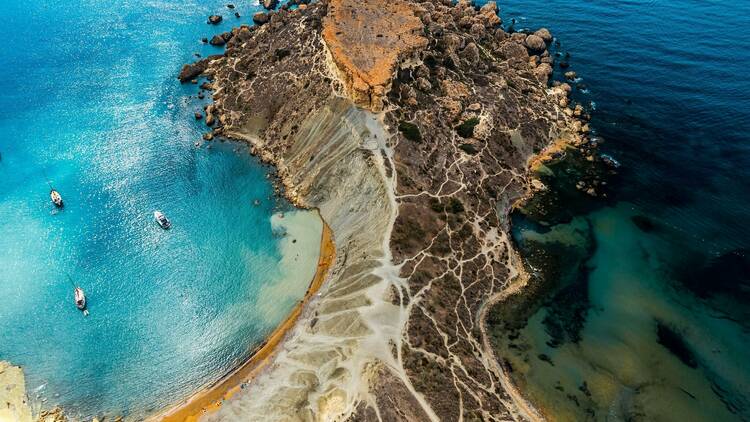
366	39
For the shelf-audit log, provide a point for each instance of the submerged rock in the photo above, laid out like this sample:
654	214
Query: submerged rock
673	341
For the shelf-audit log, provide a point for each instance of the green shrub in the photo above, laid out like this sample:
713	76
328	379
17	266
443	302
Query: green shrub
410	131
466	129
455	206
468	148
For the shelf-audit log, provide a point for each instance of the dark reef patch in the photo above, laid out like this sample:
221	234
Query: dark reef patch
644	223
673	341
727	274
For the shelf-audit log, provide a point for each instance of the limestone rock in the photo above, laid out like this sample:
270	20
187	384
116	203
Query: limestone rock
544	34
366	45
270	4
535	44
261	18
543	72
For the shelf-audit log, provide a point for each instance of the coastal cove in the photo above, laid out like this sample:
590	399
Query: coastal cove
381	211
96	111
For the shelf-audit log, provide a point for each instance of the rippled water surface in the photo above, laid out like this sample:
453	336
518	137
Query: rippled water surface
90	103
648	319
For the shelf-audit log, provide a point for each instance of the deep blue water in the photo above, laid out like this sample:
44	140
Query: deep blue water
90	102
666	82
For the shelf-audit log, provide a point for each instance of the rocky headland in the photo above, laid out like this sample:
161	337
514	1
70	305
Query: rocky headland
414	127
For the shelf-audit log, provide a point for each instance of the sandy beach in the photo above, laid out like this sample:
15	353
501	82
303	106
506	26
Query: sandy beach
211	398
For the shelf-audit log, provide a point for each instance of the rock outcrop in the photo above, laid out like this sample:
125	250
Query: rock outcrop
366	39
412	127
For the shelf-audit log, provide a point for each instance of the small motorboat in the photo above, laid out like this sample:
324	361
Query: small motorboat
80	298
162	220
56	198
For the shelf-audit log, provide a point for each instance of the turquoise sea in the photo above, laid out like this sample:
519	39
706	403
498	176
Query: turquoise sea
90	103
646	307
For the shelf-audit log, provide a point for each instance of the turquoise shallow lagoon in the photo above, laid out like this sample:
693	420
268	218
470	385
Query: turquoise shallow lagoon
90	102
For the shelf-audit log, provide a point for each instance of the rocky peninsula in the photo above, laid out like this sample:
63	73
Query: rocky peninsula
413	126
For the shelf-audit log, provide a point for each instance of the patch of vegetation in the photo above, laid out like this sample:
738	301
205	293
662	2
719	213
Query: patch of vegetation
468	148
410	131
455	206
436	206
466	129
280	53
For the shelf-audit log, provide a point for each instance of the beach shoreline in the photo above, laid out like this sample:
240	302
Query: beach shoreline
211	398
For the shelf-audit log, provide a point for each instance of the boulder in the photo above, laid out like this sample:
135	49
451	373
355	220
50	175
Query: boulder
544	34
471	53
477	29
518	37
230	6
221	39
542	72
191	71
261	18
423	84
270	4
214	19
571	76
512	50
217	40
535	44
198	115
489	13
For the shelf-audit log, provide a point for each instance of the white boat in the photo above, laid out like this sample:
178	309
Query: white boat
80	299
162	220
56	198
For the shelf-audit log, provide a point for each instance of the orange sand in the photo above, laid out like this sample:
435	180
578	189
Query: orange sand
211	398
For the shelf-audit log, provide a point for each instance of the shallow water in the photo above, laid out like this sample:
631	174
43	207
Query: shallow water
91	104
654	320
